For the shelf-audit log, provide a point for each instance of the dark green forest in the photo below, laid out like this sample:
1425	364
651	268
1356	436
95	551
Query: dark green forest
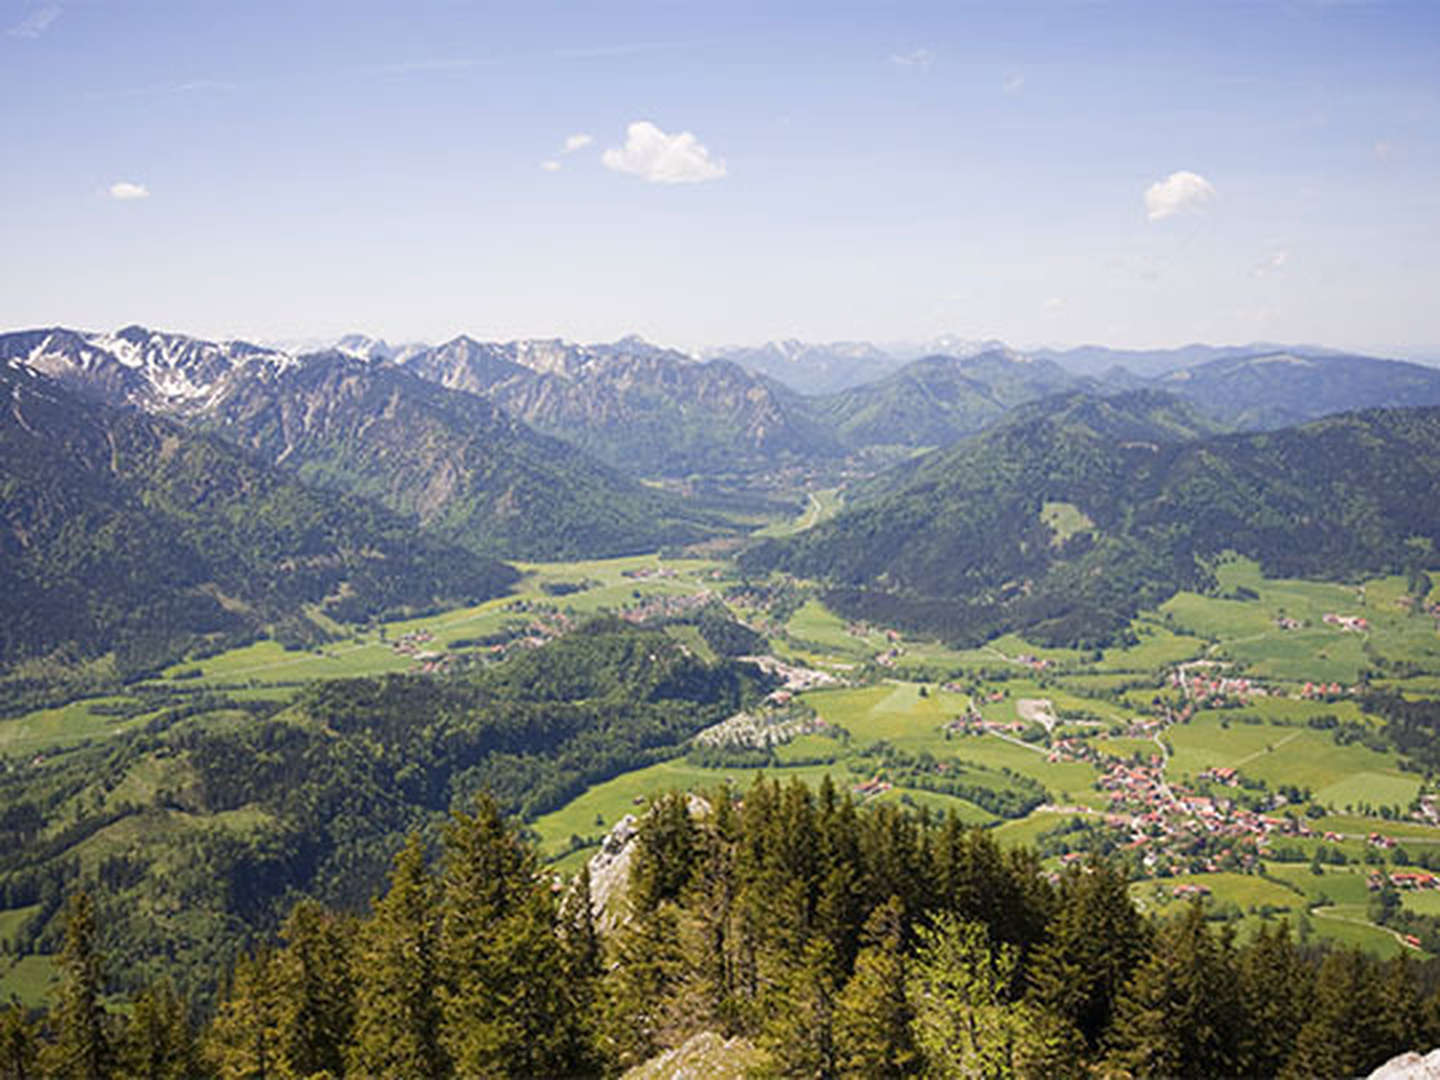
955	543
257	804
838	942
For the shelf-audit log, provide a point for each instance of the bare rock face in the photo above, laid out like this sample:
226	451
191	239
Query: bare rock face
706	1056
610	874
1410	1066
610	867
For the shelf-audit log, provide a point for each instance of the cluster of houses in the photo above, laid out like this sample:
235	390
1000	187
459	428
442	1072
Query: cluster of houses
1034	663
1214	691
665	606
759	730
1313	691
1402	879
1177	830
972	723
795	678
874	786
1354	623
413	644
642	573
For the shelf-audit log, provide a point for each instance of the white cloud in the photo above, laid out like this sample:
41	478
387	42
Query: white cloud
1384	149
662	158
1055	303
36	22
576	142
1271	264
1178	192
916	58
125	189
550	166
1013	83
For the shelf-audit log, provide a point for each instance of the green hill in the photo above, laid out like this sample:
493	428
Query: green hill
1072	517
937	399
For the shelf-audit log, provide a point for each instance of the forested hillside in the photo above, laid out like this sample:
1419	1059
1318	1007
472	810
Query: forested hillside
830	941
124	532
203	826
937	399
1069	520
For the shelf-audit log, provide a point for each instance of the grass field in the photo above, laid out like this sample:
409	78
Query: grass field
1245	890
30	979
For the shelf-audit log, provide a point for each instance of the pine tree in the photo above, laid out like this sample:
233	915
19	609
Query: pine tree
507	1008
19	1049
1275	988
960	984
640	990
397	1010
1093	944
244	1037
1345	1013
1180	1015
873	1014
160	1041
314	994
82	1047
799	1037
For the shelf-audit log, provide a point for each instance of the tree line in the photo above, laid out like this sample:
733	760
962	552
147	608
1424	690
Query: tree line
839	942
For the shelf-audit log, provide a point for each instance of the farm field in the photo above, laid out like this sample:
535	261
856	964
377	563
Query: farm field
1097	698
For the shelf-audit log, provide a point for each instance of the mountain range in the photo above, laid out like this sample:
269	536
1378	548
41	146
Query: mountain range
1069	516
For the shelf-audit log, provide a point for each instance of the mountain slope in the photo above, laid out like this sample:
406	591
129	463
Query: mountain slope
468	471
937	399
646	410
969	541
1278	389
123	528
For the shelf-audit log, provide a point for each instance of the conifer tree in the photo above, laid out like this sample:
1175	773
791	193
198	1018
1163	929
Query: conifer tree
1339	1038
313	992
160	1041
1092	946
641	988
1274	989
19	1049
799	1036
1180	1015
873	1013
960	985
244	1037
82	1047
397	1010
507	1008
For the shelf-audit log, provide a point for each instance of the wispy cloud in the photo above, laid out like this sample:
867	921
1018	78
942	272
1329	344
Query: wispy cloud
662	159
576	142
919	59
1179	192
1013	83
1054	304
36	21
1384	149
550	166
126	190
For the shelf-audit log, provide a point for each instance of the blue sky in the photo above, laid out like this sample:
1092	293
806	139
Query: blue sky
851	170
